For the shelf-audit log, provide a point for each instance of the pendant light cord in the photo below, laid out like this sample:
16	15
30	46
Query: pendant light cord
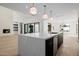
50	13
44	9
33	4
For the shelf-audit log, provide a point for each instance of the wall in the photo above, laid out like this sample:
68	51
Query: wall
68	18
5	19
18	18
8	17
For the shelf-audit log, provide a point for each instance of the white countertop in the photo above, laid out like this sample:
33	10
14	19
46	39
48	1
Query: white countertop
39	35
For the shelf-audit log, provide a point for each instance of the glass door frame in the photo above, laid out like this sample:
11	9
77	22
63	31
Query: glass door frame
34	27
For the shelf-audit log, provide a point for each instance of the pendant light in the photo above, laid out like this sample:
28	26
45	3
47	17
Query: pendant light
50	18
33	10
45	16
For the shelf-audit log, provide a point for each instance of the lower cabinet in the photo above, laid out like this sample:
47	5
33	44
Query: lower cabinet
60	39
51	46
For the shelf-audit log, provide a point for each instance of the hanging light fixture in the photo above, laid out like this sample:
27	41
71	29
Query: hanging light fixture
51	18
33	10
45	16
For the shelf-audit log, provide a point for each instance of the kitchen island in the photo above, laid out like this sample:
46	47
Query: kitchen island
37	44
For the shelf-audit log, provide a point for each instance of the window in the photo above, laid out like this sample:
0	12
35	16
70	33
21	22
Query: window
66	27
31	28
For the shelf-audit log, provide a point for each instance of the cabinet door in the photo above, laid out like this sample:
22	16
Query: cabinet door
60	39
78	28
55	40
49	47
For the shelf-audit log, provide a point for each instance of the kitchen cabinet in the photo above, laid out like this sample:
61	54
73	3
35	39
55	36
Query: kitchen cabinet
51	46
60	39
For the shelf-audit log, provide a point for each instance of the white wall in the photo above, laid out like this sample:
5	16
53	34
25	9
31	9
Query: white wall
8	17
5	19
19	18
68	18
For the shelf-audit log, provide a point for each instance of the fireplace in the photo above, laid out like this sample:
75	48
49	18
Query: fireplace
6	30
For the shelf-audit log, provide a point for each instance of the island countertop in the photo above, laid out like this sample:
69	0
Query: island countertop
39	35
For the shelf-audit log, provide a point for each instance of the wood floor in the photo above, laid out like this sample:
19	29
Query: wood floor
70	47
8	46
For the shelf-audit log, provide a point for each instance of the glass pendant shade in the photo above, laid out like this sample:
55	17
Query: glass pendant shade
45	16
33	10
50	19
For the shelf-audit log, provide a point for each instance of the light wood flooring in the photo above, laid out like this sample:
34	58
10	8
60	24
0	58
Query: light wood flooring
70	47
8	46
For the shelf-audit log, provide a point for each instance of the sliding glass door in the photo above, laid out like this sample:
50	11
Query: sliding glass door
25	28
37	27
31	28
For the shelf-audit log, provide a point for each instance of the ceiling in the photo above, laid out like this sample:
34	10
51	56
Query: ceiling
57	8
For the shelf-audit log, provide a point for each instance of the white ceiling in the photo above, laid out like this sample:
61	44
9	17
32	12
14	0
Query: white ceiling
57	8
